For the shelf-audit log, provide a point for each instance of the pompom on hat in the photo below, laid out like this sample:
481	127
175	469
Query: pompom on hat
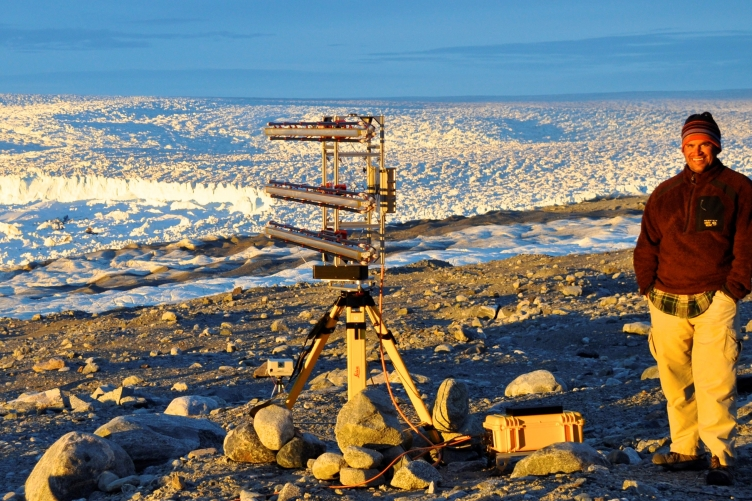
701	126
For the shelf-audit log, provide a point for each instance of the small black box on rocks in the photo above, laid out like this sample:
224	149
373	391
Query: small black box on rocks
348	272
534	410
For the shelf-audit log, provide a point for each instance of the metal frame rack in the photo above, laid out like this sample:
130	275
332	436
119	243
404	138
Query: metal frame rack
366	134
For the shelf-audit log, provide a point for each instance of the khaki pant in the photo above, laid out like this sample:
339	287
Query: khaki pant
697	366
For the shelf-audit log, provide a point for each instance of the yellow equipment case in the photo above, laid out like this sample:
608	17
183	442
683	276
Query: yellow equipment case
522	431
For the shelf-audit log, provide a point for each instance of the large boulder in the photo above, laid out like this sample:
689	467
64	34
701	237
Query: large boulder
155	438
415	475
540	381
191	405
452	405
274	427
368	420
297	452
561	457
70	467
243	445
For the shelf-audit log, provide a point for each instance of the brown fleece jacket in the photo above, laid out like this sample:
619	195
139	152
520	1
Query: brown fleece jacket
697	234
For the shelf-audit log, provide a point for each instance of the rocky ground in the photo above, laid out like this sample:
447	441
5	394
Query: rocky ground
562	314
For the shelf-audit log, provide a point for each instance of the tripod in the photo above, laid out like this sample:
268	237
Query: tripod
357	305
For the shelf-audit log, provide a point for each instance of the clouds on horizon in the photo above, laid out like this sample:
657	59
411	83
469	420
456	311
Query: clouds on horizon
681	48
83	39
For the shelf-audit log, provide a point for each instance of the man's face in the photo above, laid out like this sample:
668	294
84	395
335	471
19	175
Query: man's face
699	154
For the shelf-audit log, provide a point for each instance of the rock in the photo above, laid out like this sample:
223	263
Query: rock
634	456
650	373
279	326
42	401
587	353
179	386
132	381
81	404
571	290
52	364
101	390
169	316
154	438
116	396
443	348
191	405
117	484
460	333
618	457
358	477
748	327
642	488
290	492
452	405
274	427
89	368
104	479
540	381
362	458
609	301
651	445
368	420
297	452
561	457
36	317
415	475
199	453
485	311
177	482
70	467
327	466
640	328
243	445
246	495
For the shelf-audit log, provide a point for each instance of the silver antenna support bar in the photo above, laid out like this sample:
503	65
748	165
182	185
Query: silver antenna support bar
324	242
323	197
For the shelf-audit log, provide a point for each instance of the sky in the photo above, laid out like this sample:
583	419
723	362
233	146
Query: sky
386	49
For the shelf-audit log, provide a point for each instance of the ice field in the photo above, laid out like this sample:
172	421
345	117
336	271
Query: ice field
78	175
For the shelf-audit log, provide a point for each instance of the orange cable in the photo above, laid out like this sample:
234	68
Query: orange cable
448	443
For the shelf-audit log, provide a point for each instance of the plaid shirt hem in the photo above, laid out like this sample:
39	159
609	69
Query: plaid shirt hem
681	305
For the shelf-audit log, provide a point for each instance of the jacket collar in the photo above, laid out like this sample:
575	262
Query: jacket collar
706	176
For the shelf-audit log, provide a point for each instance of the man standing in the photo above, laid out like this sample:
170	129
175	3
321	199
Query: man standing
694	262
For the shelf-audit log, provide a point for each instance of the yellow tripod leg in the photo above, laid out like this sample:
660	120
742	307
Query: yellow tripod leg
310	361
356	350
399	365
